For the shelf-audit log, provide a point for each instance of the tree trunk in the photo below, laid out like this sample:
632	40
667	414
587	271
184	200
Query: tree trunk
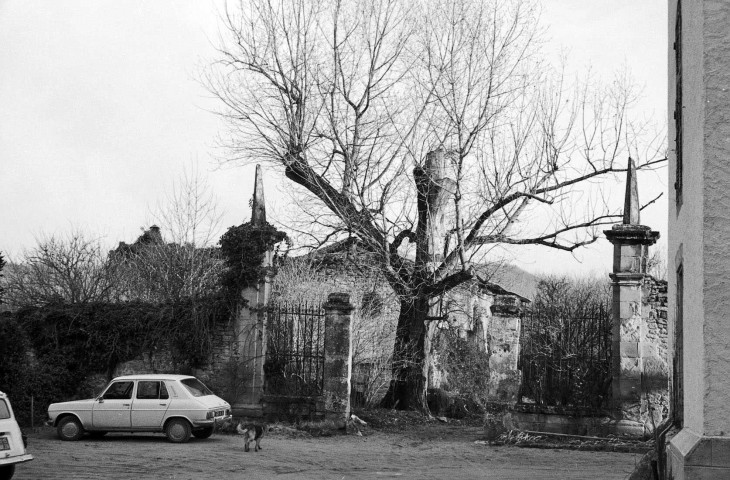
407	389
410	356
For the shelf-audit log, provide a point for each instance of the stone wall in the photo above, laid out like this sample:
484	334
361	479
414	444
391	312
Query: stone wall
657	303
225	372
492	321
655	359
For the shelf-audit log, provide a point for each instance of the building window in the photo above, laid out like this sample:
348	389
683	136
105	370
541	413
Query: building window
678	104
678	360
372	305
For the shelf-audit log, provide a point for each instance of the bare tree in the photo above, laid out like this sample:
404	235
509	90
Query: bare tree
188	213
656	264
175	258
70	268
432	131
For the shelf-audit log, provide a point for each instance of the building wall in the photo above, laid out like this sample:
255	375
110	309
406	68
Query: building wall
700	225
687	219
699	228
716	217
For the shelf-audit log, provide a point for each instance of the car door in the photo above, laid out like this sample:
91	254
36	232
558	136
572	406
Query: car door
113	410
150	404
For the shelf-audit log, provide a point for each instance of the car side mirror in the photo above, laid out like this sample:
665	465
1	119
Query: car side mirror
100	399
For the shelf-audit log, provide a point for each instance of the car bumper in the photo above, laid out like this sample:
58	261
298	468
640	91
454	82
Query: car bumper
17	459
211	422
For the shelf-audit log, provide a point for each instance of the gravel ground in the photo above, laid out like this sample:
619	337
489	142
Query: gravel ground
435	451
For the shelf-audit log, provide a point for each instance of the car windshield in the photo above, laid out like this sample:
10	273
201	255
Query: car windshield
196	387
4	410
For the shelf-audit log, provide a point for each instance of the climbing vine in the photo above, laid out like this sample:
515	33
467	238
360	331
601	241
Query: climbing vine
243	249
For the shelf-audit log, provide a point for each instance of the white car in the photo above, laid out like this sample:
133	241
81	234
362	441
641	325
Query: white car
177	405
12	442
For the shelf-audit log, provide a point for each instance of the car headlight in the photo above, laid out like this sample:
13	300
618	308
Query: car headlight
209	415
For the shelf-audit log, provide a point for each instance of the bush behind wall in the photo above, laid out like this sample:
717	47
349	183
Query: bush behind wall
48	352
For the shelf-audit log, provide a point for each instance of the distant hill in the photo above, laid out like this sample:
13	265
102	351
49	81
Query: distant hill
510	277
351	252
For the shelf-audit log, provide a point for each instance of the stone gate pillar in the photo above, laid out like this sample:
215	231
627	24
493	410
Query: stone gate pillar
337	357
250	322
503	338
631	242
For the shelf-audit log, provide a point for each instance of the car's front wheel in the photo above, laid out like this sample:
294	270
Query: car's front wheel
203	433
178	430
6	472
69	428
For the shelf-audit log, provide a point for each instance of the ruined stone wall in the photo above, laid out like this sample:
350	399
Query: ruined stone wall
654	355
466	311
493	322
657	328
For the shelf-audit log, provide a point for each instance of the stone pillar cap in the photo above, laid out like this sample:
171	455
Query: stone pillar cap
626	233
340	301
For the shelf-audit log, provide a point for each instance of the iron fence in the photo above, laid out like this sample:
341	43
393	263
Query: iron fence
294	350
565	356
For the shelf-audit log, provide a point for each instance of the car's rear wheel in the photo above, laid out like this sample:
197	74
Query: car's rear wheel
203	433
178	430
69	429
6	472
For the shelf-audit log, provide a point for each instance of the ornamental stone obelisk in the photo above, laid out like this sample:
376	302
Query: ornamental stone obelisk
250	328
631	242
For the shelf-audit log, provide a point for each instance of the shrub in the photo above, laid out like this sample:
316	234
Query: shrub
465	362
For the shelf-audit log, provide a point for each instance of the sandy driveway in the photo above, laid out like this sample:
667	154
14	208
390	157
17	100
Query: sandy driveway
449	455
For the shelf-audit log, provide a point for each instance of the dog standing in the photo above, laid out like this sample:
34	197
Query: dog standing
253	433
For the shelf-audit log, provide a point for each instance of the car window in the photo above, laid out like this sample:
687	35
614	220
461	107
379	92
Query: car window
147	390
4	410
119	391
151	390
196	387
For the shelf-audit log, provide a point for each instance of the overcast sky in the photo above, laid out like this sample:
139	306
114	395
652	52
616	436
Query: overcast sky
101	109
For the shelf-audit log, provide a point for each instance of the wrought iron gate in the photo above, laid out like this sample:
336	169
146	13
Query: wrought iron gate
565	356
294	350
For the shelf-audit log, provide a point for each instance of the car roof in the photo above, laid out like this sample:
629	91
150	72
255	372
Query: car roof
155	376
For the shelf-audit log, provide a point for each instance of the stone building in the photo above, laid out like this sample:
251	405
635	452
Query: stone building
699	227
